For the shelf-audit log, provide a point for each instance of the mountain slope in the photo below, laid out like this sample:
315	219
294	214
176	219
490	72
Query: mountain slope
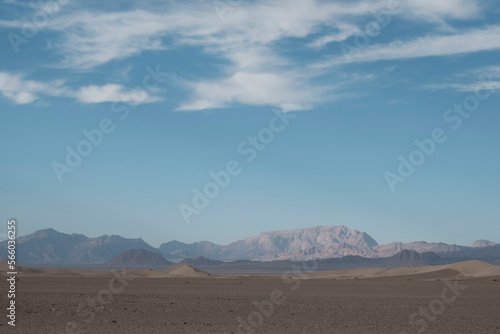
105	247
45	245
52	246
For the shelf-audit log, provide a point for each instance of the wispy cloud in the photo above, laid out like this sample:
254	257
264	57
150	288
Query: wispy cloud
479	79
344	32
439	11
476	40
92	39
89	39
113	93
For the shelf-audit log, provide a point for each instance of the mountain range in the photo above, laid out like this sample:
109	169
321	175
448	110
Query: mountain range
319	242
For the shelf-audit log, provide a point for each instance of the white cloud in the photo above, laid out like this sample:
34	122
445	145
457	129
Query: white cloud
487	71
466	87
476	80
90	38
476	40
255	89
258	74
49	7
113	93
20	91
345	31
439	10
20	97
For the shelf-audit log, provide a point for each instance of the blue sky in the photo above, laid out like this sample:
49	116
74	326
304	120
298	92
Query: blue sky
335	95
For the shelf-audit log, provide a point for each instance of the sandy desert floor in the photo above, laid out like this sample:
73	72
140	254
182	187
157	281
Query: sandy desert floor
425	301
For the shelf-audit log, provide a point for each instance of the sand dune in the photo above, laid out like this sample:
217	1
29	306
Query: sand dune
475	268
52	272
347	273
461	270
466	269
185	270
181	270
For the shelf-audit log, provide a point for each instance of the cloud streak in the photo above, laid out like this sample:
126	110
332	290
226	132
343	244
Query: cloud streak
480	79
486	39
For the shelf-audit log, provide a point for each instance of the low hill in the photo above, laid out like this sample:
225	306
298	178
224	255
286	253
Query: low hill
184	270
405	258
138	258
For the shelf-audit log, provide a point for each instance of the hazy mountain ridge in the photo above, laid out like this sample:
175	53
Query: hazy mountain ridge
51	246
418	246
318	242
177	250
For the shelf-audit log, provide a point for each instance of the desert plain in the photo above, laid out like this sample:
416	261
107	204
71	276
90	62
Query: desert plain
457	298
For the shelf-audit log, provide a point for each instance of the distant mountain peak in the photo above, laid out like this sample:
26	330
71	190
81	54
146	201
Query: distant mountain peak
320	241
46	232
483	243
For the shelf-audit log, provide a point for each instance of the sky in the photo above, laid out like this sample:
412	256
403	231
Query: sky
218	120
